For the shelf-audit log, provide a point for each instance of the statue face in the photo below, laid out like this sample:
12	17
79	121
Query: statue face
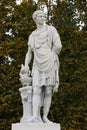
40	19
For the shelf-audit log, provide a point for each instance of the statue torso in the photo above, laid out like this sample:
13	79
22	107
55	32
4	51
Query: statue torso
43	56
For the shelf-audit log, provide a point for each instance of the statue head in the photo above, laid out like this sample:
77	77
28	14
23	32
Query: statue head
38	13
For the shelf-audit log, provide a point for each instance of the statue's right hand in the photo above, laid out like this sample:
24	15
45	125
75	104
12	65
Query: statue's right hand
24	71
24	68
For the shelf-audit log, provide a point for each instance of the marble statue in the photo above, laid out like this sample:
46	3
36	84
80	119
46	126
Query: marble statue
45	43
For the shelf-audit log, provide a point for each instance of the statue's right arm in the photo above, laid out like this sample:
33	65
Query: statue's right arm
28	57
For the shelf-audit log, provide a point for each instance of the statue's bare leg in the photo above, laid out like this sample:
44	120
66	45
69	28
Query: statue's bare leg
47	103
36	105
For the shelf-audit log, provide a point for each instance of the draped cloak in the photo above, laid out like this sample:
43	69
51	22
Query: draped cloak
46	45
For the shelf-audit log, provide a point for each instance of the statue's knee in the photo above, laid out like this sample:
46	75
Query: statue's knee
49	92
36	90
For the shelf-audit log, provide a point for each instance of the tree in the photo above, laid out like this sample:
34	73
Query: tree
69	105
70	102
16	24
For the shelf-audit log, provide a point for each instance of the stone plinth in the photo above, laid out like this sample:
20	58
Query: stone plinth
36	126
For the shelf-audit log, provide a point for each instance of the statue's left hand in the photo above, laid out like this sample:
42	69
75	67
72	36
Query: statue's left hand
55	89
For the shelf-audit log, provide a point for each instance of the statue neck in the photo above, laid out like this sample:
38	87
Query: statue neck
40	27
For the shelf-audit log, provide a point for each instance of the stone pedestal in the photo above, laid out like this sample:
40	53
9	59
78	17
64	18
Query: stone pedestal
26	95
36	126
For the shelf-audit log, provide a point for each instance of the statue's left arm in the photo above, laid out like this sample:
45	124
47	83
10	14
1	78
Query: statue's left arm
57	46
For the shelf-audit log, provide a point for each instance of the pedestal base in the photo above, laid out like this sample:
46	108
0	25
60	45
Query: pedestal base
36	126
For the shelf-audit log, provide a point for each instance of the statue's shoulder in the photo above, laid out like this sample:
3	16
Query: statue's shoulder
30	37
51	27
34	32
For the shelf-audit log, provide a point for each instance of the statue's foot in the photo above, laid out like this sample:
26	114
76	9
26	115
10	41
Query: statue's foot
46	120
40	120
32	119
35	120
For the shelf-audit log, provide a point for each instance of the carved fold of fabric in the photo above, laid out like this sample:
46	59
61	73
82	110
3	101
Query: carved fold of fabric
43	79
46	45
44	60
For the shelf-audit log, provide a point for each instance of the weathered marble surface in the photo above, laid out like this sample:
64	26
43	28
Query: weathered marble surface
45	43
36	126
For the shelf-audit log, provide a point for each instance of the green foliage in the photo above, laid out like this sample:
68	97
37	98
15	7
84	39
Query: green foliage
15	47
69	105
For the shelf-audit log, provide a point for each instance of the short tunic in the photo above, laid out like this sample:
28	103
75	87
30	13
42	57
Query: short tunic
46	64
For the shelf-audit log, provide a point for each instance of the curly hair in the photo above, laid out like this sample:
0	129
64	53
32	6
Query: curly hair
35	14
